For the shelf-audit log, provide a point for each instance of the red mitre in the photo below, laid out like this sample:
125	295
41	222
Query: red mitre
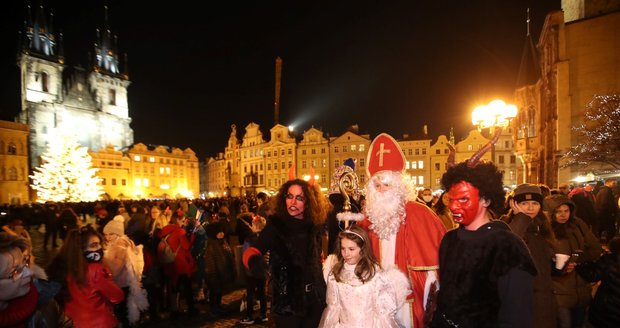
384	155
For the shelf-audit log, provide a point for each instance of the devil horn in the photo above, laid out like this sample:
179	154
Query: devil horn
451	156
473	161
311	181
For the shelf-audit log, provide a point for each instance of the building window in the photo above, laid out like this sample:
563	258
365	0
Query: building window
421	179
303	151
336	163
407	165
113	182
423	151
361	148
362	162
268	166
437	166
11	149
152	159
303	164
269	153
123	182
344	149
313	151
282	152
145	182
136	158
323	163
275	166
437	151
420	164
290	151
336	149
12	174
112	95
45	82
470	147
501	159
290	163
322	150
513	159
417	151
353	147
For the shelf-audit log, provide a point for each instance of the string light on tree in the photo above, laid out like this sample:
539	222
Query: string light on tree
66	174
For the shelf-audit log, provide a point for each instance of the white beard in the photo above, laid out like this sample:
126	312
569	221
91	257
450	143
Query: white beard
386	210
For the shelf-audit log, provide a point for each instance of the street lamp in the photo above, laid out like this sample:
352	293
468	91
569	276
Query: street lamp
495	116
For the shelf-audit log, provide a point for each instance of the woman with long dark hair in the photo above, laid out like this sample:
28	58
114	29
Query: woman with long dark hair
88	288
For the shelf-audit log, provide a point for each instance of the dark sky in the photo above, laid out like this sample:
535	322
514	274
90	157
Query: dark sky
389	66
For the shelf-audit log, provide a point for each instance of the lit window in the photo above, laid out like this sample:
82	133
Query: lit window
136	158
361	148
161	170
407	166
353	147
420	164
421	179
145	182
167	170
470	147
137	182
414	165
152	159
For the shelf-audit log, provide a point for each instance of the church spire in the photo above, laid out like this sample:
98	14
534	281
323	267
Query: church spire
106	54
452	136
38	38
529	70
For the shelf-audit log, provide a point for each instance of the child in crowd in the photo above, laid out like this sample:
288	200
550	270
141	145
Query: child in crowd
359	292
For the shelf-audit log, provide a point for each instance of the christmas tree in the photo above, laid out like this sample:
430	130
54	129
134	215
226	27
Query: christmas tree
598	135
66	174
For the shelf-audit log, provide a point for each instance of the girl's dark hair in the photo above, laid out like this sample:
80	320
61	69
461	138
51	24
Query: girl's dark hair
317	205
366	267
70	259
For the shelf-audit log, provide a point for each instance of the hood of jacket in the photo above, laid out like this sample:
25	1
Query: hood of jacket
552	202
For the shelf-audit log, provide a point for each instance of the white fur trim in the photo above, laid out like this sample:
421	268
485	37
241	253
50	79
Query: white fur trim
342	216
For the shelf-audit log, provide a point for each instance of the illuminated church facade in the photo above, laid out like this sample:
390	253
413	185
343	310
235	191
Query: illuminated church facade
89	103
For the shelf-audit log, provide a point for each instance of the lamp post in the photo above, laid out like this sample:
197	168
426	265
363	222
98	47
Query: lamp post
494	116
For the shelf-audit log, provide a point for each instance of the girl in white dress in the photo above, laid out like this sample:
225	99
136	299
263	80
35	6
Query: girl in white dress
359	292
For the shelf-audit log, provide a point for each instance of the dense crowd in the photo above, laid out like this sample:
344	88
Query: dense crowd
124	263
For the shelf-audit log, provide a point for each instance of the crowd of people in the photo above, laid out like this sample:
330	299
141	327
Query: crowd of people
471	256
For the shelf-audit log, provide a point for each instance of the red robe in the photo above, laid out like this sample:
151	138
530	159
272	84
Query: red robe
417	251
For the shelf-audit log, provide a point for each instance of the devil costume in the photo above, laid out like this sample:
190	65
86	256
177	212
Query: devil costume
492	270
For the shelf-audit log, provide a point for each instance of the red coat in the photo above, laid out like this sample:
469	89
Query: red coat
91	306
417	251
184	263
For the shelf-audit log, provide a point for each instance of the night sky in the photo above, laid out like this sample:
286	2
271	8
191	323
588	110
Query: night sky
388	66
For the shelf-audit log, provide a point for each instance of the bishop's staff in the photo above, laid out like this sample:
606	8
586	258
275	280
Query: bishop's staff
348	185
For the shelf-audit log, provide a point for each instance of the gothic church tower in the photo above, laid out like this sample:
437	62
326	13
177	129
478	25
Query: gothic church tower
89	103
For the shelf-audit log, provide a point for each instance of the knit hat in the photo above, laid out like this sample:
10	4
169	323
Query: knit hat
525	192
116	226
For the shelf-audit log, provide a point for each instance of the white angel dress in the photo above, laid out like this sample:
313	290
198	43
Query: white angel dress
351	303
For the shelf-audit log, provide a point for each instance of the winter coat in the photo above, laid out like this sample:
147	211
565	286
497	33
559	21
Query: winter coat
219	260
184	263
574	236
19	309
296	269
605	308
545	305
91	305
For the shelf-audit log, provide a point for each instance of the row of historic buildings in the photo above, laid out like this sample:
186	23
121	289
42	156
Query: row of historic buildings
251	164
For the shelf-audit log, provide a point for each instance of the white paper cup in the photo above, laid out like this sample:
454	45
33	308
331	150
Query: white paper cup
560	260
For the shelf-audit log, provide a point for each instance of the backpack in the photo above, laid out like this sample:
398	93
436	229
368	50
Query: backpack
165	254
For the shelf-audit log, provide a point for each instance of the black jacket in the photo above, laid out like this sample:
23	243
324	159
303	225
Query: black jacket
295	259
605	308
